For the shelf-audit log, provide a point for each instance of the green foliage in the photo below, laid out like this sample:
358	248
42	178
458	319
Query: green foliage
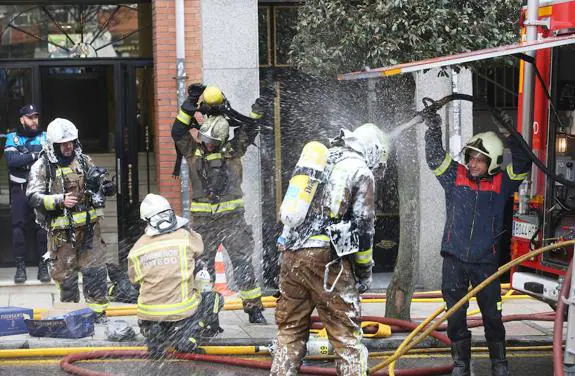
346	35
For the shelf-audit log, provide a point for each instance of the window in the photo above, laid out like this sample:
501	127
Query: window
75	31
276	30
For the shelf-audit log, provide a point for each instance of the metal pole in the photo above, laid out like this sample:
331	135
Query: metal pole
527	104
181	89
455	107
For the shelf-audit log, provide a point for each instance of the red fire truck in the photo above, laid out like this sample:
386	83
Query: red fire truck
547	213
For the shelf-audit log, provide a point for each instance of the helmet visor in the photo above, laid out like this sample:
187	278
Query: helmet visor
163	221
209	142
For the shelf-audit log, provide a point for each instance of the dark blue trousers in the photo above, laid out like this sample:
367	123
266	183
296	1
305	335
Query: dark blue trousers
455	281
24	226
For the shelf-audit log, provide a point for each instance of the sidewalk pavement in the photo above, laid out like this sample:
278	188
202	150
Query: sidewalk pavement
238	330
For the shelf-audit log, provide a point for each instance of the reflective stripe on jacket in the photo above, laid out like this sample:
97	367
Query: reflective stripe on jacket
78	219
163	266
474	206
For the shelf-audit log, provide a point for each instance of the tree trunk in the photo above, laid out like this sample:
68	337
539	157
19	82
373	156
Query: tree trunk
400	291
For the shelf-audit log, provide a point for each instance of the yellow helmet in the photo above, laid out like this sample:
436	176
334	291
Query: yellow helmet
213	96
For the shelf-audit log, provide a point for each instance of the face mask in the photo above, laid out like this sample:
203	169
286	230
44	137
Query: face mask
164	221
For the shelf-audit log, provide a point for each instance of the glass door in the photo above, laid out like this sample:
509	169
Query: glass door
16	90
134	151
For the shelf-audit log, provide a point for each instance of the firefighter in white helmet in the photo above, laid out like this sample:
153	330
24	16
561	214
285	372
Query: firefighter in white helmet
68	193
335	237
215	161
476	193
171	308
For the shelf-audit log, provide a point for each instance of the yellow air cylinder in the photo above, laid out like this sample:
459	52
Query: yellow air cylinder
307	175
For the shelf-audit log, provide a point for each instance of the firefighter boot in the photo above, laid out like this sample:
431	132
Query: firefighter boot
43	275
155	340
20	276
461	354
499	366
256	316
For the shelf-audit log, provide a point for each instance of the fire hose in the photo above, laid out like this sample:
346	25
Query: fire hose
138	352
405	347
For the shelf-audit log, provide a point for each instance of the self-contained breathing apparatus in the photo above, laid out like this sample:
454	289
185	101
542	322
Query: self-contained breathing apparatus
310	175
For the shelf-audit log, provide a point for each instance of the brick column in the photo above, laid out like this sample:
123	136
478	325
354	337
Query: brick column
164	47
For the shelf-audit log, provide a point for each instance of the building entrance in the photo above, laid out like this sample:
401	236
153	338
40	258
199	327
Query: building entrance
110	103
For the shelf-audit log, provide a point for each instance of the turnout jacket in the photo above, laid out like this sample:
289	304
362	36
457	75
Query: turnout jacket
216	177
347	194
474	206
48	184
163	266
21	152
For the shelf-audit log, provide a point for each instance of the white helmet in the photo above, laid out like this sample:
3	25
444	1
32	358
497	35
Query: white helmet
58	131
215	130
488	144
157	211
375	142
61	130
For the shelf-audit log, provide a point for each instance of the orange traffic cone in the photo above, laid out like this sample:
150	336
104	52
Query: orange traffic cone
221	284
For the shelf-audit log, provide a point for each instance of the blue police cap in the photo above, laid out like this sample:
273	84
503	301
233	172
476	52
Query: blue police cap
29	110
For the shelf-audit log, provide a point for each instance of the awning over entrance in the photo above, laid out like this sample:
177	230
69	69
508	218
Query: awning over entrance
461	58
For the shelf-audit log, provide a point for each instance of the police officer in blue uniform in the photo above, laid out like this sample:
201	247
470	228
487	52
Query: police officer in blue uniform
21	151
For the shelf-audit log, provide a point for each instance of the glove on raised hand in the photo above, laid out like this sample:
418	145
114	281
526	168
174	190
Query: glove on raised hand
258	108
195	91
432	119
503	121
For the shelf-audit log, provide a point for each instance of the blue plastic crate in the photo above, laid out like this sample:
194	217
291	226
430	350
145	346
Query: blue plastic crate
12	320
76	324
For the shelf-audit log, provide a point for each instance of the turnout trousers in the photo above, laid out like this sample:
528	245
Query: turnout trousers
88	256
232	231
302	291
455	282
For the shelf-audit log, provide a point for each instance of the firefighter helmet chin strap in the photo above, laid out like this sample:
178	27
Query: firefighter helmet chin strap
164	222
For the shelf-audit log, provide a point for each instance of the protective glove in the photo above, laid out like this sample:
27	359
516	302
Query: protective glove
432	119
109	188
200	264
195	91
363	285
258	108
503	122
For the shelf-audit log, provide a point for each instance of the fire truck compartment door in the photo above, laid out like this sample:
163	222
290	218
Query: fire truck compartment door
543	287
460	58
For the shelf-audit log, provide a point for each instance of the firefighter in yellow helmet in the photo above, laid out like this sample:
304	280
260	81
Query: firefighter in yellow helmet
214	159
68	193
172	309
334	241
